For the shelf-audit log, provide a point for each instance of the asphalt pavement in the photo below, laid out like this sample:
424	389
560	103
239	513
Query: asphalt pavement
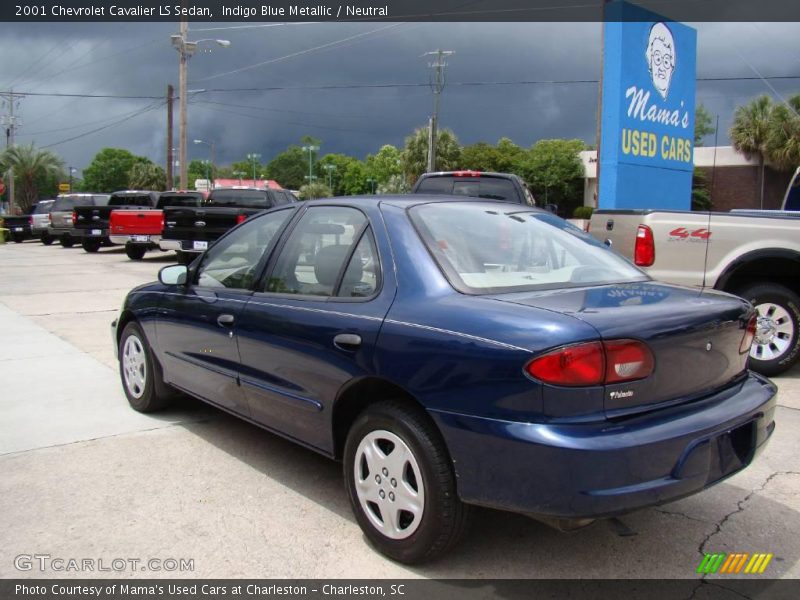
82	476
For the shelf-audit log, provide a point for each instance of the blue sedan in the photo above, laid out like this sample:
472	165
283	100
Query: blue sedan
454	352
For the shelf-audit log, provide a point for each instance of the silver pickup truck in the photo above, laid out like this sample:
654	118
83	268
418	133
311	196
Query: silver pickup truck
753	254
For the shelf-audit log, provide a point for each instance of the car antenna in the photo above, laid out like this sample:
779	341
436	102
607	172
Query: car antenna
711	201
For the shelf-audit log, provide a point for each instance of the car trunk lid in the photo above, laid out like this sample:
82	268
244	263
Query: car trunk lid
695	336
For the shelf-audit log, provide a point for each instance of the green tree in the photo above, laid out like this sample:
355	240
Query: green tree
289	168
701	195
480	156
147	176
340	163
246	166
751	123
509	156
415	154
355	178
32	168
384	164
783	135
554	172
703	124
110	169
200	169
396	184
313	190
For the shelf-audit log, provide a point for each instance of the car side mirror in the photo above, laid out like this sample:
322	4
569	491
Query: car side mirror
174	275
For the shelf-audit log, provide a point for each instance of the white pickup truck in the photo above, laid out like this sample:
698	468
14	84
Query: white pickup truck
753	254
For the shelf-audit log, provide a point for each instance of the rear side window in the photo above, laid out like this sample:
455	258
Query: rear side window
240	198
67	203
312	263
793	196
491	188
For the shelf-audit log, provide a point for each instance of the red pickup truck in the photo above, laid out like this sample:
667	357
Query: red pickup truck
139	230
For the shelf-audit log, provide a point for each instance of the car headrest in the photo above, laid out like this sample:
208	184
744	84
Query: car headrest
328	262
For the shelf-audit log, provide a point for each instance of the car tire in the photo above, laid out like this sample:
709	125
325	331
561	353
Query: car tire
184	258
777	343
66	241
46	239
91	245
141	380
421	477
18	239
135	252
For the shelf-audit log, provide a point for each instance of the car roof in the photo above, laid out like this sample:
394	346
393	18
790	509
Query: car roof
409	200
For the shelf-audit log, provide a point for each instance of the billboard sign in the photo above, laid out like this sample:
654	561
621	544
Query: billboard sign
647	127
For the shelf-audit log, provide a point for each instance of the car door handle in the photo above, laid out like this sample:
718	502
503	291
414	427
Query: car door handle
225	320
347	341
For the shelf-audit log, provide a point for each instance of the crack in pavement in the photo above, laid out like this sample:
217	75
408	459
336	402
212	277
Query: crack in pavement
740	506
679	514
787	407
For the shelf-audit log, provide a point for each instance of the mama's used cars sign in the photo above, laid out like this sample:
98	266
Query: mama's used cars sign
647	128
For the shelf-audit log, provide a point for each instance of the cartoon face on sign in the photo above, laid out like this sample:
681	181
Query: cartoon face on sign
660	55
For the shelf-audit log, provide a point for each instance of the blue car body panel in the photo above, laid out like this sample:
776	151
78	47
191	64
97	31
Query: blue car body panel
515	443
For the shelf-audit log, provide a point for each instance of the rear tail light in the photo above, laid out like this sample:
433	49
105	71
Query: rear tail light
749	335
593	363
162	222
241	219
30	221
74	218
49	220
644	253
627	360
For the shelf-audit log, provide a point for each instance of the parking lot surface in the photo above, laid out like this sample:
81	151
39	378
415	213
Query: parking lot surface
84	476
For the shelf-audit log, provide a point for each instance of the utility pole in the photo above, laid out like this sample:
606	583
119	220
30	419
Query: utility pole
170	135
182	77
437	85
11	122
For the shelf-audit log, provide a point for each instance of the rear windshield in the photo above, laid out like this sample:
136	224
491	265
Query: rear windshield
41	208
67	203
130	200
180	200
240	198
483	249
491	188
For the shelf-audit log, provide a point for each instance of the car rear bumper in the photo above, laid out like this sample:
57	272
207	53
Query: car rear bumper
583	470
144	239
181	246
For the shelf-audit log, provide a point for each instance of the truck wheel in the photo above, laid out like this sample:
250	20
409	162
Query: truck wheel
401	484
135	252
138	373
66	241
777	342
18	238
91	245
46	239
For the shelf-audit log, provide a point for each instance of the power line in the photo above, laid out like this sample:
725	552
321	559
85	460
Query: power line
328	45
137	113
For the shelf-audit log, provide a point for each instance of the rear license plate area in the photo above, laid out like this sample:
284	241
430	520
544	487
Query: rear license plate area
734	451
200	246
141	238
96	232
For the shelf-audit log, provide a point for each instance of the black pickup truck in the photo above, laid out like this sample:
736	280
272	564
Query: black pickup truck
191	230
91	223
19	227
479	184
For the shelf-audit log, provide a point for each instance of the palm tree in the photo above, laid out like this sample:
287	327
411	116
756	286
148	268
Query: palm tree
414	156
783	137
749	132
147	176
30	167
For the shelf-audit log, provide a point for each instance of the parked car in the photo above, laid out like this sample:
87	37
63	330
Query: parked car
40	221
139	229
18	226
62	224
479	184
92	222
191	230
455	353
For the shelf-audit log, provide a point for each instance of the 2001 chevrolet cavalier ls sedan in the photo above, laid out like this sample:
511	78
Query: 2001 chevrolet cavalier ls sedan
455	353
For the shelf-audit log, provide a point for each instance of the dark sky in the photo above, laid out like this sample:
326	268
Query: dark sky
137	59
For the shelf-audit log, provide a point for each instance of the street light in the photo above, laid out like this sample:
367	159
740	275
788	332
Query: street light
310	150
372	183
72	171
253	158
185	50
330	169
211	144
207	164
